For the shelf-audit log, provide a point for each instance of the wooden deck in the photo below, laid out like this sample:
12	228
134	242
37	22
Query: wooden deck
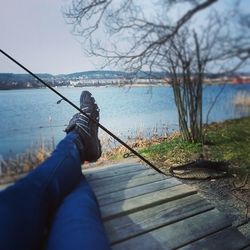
142	209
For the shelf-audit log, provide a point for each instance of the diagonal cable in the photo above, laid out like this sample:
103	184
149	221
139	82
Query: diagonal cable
78	109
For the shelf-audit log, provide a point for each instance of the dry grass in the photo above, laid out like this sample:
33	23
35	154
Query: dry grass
15	167
114	152
228	141
242	98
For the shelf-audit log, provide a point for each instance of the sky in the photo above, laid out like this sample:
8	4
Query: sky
35	33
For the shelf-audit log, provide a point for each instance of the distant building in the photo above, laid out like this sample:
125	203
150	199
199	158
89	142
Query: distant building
241	79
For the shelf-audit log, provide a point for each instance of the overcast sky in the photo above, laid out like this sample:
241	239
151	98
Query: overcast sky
34	32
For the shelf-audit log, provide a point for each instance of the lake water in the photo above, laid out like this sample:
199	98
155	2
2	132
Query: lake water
32	116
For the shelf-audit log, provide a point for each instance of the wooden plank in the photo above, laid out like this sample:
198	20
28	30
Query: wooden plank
136	191
113	172
117	185
227	239
109	167
144	201
118	178
177	234
128	226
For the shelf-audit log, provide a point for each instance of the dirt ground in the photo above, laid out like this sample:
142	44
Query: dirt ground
231	196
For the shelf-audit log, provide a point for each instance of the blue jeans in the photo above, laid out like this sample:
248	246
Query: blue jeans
53	207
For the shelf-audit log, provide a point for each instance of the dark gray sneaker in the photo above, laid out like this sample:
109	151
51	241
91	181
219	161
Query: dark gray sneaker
87	141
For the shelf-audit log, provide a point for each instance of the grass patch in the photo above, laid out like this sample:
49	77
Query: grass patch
172	151
231	142
227	141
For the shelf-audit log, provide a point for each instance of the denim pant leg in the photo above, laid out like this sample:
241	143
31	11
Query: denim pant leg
25	208
77	224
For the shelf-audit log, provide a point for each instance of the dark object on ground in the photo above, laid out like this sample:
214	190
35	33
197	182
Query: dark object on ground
201	169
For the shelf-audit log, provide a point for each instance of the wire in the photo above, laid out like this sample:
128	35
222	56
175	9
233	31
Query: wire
78	109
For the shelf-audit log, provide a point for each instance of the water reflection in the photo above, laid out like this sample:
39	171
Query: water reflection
28	116
241	103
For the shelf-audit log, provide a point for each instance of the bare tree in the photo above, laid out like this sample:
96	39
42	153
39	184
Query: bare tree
186	67
105	24
125	33
186	58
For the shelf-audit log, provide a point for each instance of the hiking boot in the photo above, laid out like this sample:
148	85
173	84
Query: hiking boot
87	141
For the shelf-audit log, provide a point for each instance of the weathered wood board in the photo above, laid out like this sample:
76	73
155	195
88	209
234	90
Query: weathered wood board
142	209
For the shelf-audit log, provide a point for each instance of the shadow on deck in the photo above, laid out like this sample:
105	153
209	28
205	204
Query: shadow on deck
142	209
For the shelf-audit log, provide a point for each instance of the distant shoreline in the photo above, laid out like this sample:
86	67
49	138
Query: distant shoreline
110	78
120	85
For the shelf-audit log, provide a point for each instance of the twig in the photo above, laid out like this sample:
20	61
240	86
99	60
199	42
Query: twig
245	203
242	185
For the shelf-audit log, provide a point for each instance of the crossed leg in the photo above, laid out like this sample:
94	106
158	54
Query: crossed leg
45	195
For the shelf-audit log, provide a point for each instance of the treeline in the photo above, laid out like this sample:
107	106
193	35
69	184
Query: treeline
24	81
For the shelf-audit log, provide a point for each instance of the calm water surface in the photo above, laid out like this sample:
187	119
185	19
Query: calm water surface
32	116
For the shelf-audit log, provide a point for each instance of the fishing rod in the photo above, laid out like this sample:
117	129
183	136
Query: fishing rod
81	111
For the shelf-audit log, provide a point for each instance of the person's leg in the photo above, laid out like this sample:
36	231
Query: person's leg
26	207
77	224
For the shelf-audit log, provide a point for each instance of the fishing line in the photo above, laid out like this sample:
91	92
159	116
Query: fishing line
78	109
